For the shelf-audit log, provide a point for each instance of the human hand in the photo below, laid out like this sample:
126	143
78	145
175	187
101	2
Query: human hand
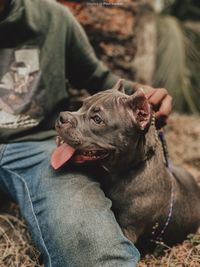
161	102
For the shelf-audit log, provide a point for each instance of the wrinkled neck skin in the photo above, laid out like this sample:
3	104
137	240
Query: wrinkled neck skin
144	152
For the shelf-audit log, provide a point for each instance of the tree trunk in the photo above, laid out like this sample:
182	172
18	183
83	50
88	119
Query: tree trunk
122	33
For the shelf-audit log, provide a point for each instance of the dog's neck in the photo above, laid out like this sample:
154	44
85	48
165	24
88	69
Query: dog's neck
148	147
151	144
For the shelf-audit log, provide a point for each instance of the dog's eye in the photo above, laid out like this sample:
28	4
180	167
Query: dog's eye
97	119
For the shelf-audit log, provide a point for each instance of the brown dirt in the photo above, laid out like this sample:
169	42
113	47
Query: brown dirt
183	135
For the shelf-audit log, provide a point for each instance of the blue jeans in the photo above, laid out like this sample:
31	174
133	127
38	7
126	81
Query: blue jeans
69	217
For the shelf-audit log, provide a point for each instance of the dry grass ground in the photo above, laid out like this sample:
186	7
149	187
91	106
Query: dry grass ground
183	134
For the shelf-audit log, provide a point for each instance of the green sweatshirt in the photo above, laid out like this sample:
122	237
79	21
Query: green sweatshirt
42	45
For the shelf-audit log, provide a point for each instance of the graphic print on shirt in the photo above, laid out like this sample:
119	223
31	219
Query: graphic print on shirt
21	102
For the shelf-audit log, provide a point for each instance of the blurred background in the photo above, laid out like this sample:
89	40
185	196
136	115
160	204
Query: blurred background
154	42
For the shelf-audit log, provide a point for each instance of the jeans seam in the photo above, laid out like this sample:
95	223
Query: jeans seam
2	150
33	212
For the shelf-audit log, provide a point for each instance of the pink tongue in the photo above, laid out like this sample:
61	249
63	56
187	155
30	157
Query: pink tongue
61	155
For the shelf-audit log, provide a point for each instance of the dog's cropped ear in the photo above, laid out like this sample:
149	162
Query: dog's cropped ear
119	86
140	107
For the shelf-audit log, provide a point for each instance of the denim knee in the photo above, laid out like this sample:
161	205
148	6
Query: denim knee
68	214
80	227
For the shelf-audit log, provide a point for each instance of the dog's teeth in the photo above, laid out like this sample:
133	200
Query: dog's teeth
58	140
90	154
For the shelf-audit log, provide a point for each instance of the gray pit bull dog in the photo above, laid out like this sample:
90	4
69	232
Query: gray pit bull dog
150	201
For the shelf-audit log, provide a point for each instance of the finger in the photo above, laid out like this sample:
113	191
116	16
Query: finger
165	108
139	85
158	96
150	92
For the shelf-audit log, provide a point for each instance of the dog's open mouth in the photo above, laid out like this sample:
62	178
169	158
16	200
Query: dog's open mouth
64	152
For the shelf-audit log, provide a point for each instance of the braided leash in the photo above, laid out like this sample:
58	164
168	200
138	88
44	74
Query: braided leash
172	195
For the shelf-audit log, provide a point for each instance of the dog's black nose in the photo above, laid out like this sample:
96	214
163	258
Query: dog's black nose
63	118
66	118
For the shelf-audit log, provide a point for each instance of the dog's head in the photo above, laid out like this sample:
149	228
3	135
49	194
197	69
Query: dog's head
107	128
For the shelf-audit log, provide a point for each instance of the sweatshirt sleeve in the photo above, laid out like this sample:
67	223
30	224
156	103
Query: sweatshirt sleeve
84	69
